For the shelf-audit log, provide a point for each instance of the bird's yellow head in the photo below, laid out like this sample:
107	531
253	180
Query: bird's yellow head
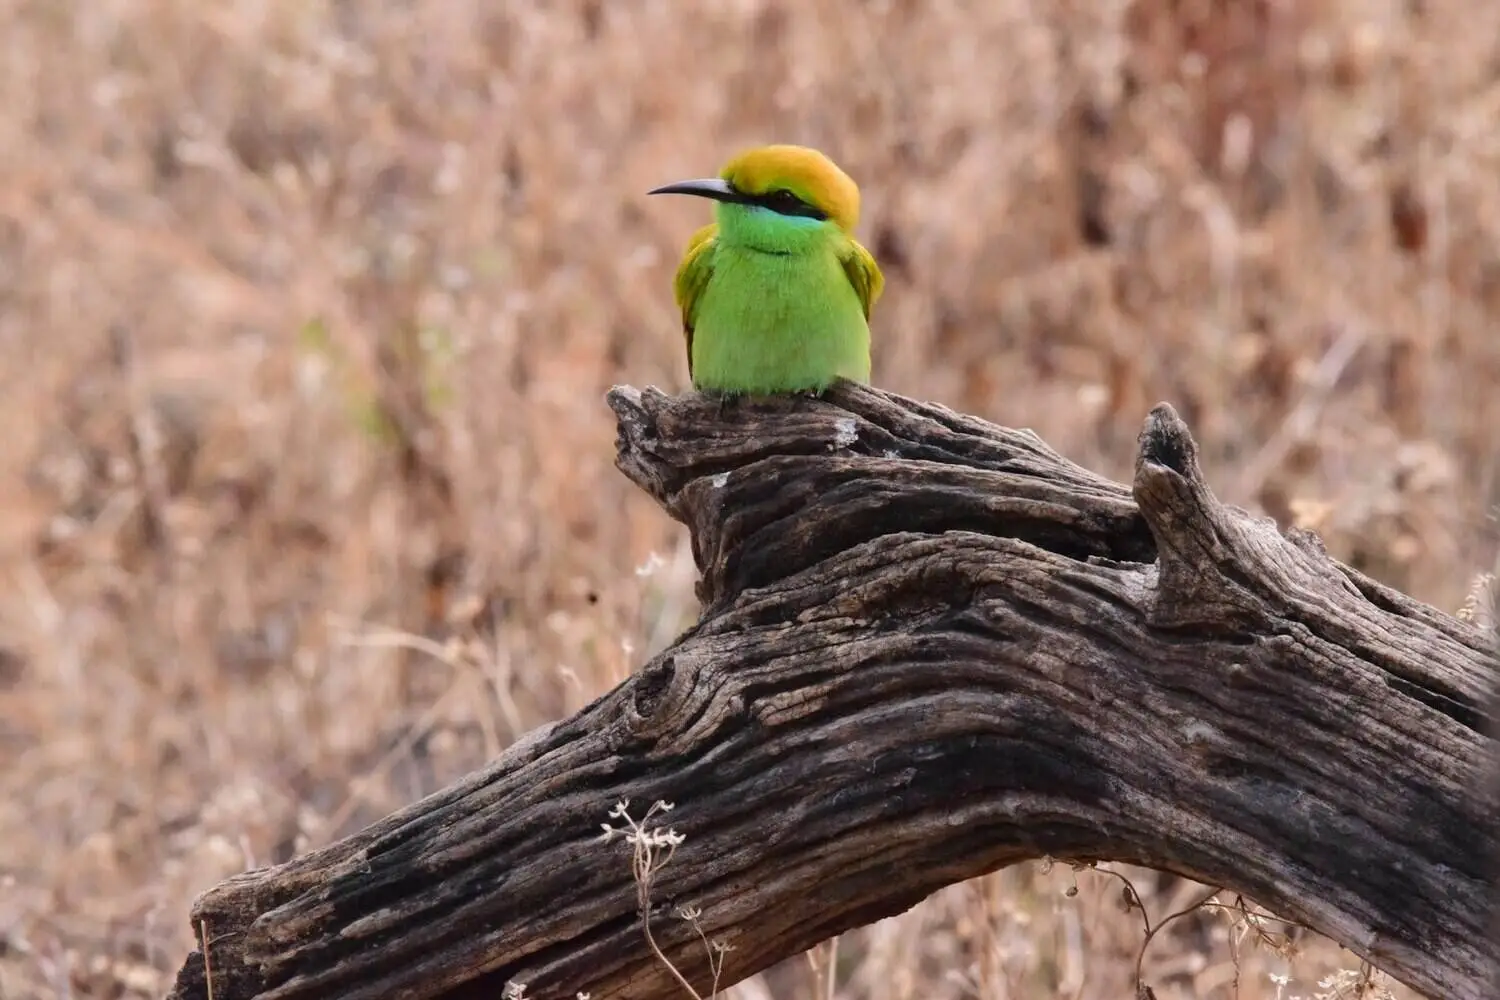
806	174
778	198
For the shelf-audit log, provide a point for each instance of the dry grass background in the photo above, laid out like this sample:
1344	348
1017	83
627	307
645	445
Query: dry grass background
307	309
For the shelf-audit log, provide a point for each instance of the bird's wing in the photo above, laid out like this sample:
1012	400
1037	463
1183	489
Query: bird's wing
864	274
692	277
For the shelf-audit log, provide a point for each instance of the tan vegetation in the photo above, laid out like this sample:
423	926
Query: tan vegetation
307	309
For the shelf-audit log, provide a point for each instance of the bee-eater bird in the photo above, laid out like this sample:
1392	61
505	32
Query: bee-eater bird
776	293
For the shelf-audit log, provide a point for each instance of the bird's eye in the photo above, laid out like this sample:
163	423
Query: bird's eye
785	201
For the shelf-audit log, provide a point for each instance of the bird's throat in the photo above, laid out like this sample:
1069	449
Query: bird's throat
750	228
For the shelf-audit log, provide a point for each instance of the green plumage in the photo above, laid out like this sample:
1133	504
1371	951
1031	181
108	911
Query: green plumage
768	321
776	295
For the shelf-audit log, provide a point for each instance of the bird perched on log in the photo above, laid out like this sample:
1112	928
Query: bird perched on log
776	293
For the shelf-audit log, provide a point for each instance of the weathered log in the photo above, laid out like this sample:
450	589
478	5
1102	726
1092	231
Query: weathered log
930	647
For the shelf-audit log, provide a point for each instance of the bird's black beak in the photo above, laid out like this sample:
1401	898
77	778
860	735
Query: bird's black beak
709	187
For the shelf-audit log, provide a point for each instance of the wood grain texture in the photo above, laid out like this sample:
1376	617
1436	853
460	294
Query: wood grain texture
930	647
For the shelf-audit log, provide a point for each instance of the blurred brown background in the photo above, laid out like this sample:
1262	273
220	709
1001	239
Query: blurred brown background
307	310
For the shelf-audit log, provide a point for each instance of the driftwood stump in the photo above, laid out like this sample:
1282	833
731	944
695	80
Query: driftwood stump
930	647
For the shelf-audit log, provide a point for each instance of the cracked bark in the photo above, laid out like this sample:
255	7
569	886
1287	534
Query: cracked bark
930	647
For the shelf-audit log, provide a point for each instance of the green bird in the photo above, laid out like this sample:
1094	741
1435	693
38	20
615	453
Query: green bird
776	294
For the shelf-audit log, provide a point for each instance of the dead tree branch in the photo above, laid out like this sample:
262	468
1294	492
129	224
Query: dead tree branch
930	647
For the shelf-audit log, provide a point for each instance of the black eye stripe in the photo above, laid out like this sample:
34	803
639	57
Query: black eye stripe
784	202
778	200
